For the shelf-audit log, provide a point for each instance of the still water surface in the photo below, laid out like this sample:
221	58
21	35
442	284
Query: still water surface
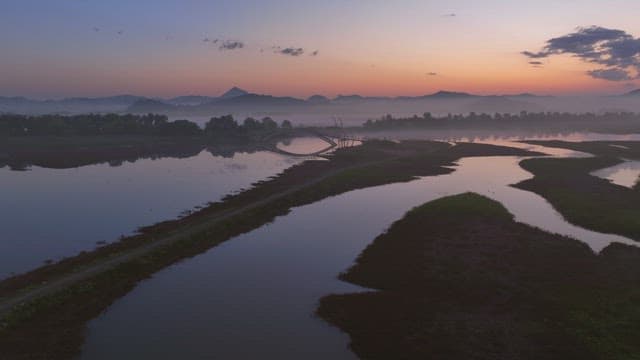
254	296
52	213
626	174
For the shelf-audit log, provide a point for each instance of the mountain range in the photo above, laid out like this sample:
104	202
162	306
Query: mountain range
239	100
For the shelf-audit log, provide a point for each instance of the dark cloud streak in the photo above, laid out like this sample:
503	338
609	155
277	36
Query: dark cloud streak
288	51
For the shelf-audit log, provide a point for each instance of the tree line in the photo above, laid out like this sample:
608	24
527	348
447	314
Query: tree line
523	120
129	124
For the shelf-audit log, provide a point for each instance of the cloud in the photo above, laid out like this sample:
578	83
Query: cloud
616	50
432	73
230	45
315	53
611	74
450	15
290	51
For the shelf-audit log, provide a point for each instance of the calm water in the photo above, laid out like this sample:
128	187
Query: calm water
626	174
51	213
491	136
254	296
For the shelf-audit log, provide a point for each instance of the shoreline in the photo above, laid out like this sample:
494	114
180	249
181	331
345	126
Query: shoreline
61	312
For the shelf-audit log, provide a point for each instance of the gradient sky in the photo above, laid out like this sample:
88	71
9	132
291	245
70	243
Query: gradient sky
51	49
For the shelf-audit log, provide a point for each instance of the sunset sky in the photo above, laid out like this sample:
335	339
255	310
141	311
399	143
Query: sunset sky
60	48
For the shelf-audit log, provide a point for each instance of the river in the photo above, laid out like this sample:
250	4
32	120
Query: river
255	295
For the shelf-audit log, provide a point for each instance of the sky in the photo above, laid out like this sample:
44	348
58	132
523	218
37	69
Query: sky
61	48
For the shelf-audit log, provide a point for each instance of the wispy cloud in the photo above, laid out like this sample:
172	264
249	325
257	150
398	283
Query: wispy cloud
450	15
616	50
229	45
536	63
315	53
432	73
289	51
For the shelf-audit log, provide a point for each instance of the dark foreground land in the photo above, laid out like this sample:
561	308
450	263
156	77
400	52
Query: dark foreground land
458	278
584	199
43	313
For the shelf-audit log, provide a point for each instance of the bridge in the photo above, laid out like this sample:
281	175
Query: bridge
270	142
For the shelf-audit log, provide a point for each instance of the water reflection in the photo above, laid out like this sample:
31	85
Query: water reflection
51	213
303	145
254	296
626	174
493	135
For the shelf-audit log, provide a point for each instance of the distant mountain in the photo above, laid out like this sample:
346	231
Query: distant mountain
318	99
190	100
635	92
348	99
234	92
252	100
527	95
502	104
150	106
22	105
442	94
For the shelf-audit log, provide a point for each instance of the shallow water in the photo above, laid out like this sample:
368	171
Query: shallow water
493	136
52	213
626	174
254	296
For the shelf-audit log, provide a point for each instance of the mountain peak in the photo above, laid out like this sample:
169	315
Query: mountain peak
449	94
635	92
234	92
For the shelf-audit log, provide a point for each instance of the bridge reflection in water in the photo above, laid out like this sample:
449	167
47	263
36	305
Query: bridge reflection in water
333	142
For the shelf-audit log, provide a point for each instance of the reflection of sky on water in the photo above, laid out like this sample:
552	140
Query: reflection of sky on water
51	213
254	296
626	174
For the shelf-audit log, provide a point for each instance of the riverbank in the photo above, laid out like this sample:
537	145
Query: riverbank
57	152
50	323
458	278
583	199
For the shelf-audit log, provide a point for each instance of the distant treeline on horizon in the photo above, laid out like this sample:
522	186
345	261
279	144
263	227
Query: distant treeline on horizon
159	125
611	121
129	124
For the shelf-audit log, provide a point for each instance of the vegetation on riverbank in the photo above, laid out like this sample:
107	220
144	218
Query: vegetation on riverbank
458	278
611	122
129	124
52	326
58	141
584	199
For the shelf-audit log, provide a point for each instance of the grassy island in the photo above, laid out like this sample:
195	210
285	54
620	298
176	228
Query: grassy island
458	278
584	199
